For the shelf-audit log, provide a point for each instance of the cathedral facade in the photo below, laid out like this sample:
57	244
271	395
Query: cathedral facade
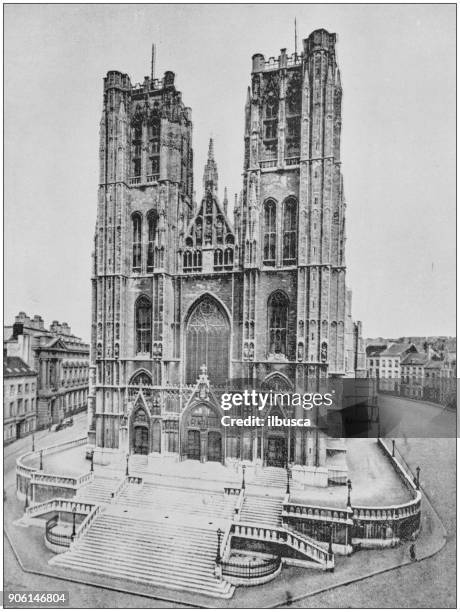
190	301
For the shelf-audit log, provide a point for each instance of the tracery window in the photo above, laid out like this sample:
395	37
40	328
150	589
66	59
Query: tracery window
207	342
277	322
289	231
141	379
143	325
152	218
269	233
137	242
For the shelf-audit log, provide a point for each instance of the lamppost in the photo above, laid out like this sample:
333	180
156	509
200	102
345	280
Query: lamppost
417	480
33	442
74	510
220	533
26	503
127	464
330	541
349	493
393	450
243	484
92	462
288	476
41	460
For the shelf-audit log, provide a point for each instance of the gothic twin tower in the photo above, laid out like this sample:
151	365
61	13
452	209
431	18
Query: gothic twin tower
260	296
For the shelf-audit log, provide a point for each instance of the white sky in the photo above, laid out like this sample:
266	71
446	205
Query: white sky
398	141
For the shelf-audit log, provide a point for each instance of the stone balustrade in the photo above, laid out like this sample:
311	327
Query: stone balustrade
282	536
83	528
60	504
319	513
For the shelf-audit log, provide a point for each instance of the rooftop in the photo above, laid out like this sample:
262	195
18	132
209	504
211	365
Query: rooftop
15	367
398	348
415	359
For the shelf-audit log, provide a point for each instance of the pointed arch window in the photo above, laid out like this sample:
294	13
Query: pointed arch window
143	325
289	231
269	233
152	218
137	242
277	322
141	379
207	342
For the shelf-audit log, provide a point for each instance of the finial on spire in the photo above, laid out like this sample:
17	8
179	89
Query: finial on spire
295	36
152	66
225	200
210	177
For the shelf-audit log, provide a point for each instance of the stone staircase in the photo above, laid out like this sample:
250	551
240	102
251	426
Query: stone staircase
151	552
262	510
271	477
98	491
138	463
173	502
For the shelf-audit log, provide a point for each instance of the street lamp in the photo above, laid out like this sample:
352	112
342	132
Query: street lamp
393	451
33	442
26	503
74	510
349	493
288	475
243	484
330	541
220	533
127	464
92	462
41	460
417	480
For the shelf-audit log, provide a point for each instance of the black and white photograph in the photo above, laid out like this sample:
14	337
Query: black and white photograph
229	318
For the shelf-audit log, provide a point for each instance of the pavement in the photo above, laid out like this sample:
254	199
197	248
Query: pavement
367	579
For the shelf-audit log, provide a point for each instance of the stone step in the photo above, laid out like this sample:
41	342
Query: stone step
150	552
261	510
218	589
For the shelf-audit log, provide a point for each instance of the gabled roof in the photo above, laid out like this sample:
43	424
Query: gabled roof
434	365
374	350
202	214
55	343
16	367
396	349
415	359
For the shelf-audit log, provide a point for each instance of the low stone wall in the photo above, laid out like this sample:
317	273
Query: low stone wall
25	472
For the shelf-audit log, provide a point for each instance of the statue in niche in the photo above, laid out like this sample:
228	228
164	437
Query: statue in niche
208	231
219	229
209	204
324	352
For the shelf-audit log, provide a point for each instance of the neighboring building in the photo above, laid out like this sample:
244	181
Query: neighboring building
413	374
19	399
61	361
373	353
390	364
176	286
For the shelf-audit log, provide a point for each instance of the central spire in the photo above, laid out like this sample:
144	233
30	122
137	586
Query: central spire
210	177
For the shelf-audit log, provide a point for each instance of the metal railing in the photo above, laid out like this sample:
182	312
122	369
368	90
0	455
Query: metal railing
249	570
57	539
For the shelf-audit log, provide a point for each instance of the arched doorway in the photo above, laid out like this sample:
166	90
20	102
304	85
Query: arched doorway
201	434
207	341
214	446
140	436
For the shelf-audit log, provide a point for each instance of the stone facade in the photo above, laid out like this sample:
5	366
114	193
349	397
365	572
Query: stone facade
19	399
61	361
259	298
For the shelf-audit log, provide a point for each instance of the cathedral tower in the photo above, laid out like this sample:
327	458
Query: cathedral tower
144	206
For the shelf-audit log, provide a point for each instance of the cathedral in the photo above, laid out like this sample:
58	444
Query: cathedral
194	298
